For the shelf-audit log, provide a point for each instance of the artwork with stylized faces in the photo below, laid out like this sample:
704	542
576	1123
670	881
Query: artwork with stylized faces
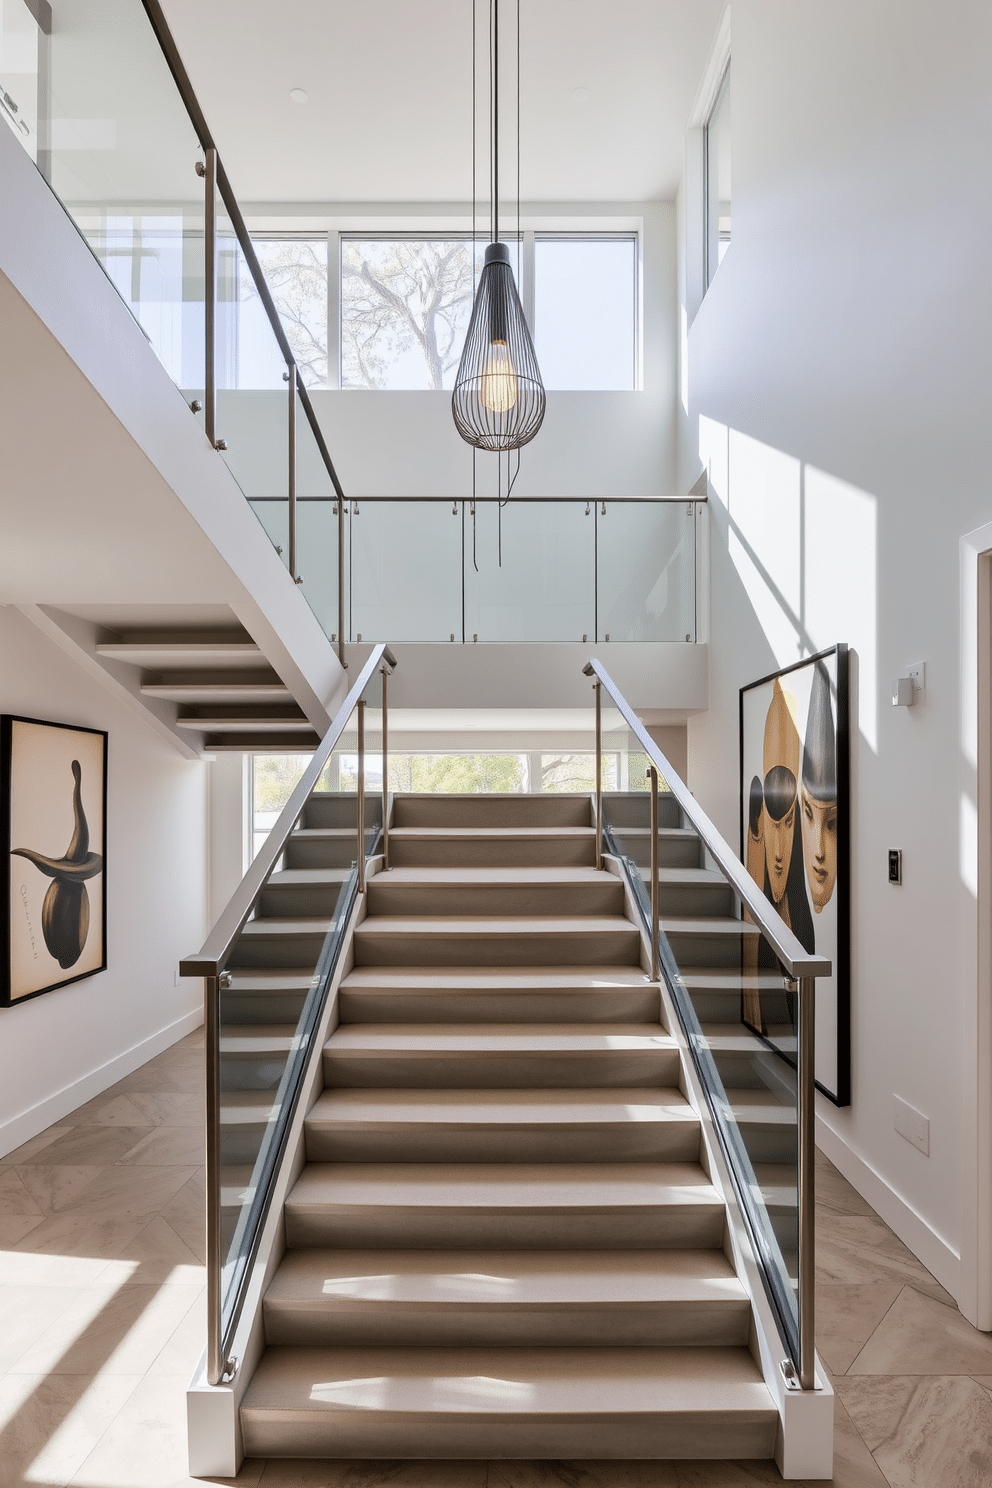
53	813
794	844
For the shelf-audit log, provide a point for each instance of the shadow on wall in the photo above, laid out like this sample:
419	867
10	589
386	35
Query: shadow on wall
804	545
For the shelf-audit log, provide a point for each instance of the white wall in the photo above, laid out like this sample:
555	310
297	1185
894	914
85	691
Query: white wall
838	385
60	1049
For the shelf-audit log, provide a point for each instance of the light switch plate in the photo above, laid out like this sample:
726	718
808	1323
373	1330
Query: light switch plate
911	1124
917	671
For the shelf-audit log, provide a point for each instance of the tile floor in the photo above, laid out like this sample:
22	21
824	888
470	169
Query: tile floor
101	1326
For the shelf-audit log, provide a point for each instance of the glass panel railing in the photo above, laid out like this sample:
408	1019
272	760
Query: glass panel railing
530	573
392	547
742	989
646	568
269	964
118	148
316	527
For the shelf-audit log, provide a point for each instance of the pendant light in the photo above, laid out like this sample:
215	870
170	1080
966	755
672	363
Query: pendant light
498	402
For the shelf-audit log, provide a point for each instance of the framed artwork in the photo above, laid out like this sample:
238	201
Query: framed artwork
795	843
53	830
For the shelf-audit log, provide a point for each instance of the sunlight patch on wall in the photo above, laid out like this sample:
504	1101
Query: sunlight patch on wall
713	453
779	626
841	566
765	508
968	848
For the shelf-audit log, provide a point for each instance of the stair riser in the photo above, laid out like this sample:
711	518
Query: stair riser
669	1141
692	948
331	811
246	1073
607	1435
673	852
492	852
276	950
635	1006
725	1007
299	902
567	947
751	1071
769	1145
599	1069
714	900
634	810
492	811
417	1227
603	896
659	1325
328	852
240	1145
262	1007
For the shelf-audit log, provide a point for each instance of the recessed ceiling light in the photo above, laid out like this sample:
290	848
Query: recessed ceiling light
580	95
299	95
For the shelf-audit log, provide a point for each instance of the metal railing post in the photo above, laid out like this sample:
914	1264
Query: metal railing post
655	898
341	581
807	1184
216	1367
599	774
385	770
210	295
361	796
292	476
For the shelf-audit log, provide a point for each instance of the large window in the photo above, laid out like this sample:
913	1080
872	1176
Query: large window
406	301
716	183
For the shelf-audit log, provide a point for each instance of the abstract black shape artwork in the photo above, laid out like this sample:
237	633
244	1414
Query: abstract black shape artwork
54	790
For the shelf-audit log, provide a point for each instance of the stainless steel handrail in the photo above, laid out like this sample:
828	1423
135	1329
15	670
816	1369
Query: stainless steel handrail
211	959
802	967
793	955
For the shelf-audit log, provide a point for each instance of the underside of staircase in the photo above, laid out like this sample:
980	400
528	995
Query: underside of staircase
505	1241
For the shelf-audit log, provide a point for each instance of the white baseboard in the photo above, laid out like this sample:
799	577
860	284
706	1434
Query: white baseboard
20	1129
929	1247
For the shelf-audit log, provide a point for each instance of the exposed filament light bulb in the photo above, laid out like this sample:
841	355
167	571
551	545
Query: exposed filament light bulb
499	380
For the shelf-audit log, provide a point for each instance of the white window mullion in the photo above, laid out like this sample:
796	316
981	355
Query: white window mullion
527	278
333	308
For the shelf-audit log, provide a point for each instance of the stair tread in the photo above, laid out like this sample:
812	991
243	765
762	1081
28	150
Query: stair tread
510	1186
730	1038
759	1107
245	1107
466	1108
284	925
270	979
499	834
306	877
491	924
721	979
484	1279
455	877
509	1382
482	979
313	834
495	1038
249	1039
707	925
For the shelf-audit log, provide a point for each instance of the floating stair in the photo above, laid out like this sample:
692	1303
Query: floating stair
504	1243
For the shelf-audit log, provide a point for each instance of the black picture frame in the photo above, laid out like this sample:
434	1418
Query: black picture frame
814	747
53	792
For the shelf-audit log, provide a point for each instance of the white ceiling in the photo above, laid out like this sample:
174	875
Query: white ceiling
388	118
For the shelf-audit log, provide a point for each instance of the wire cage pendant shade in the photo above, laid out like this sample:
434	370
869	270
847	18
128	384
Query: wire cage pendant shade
498	401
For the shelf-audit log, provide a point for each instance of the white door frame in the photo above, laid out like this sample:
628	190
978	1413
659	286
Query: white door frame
975	1299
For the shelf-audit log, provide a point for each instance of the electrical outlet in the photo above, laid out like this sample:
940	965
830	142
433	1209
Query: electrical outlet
917	673
912	1124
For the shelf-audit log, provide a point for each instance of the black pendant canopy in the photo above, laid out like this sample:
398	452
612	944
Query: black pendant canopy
499	399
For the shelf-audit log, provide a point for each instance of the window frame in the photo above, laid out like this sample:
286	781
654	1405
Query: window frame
711	235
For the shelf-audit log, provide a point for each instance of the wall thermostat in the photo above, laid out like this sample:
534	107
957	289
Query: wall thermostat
895	865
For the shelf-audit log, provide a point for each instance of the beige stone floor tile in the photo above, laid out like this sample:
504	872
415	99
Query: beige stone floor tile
135	1193
162	1256
25	1312
145	1445
854	1465
90	1146
110	1329
181	1353
834	1195
369	1473
44	1139
726	1474
64	1236
921	1336
985	1380
15	1200
168	1146
185	1215
846	1317
26	1267
861	1249
159	1082
172	1110
52	1423
115	1110
54	1187
578	1474
924	1431
14	1227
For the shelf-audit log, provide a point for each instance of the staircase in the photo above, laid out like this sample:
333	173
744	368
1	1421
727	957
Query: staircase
504	1243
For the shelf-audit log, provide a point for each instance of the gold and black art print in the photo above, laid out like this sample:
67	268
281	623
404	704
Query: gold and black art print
795	844
53	828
